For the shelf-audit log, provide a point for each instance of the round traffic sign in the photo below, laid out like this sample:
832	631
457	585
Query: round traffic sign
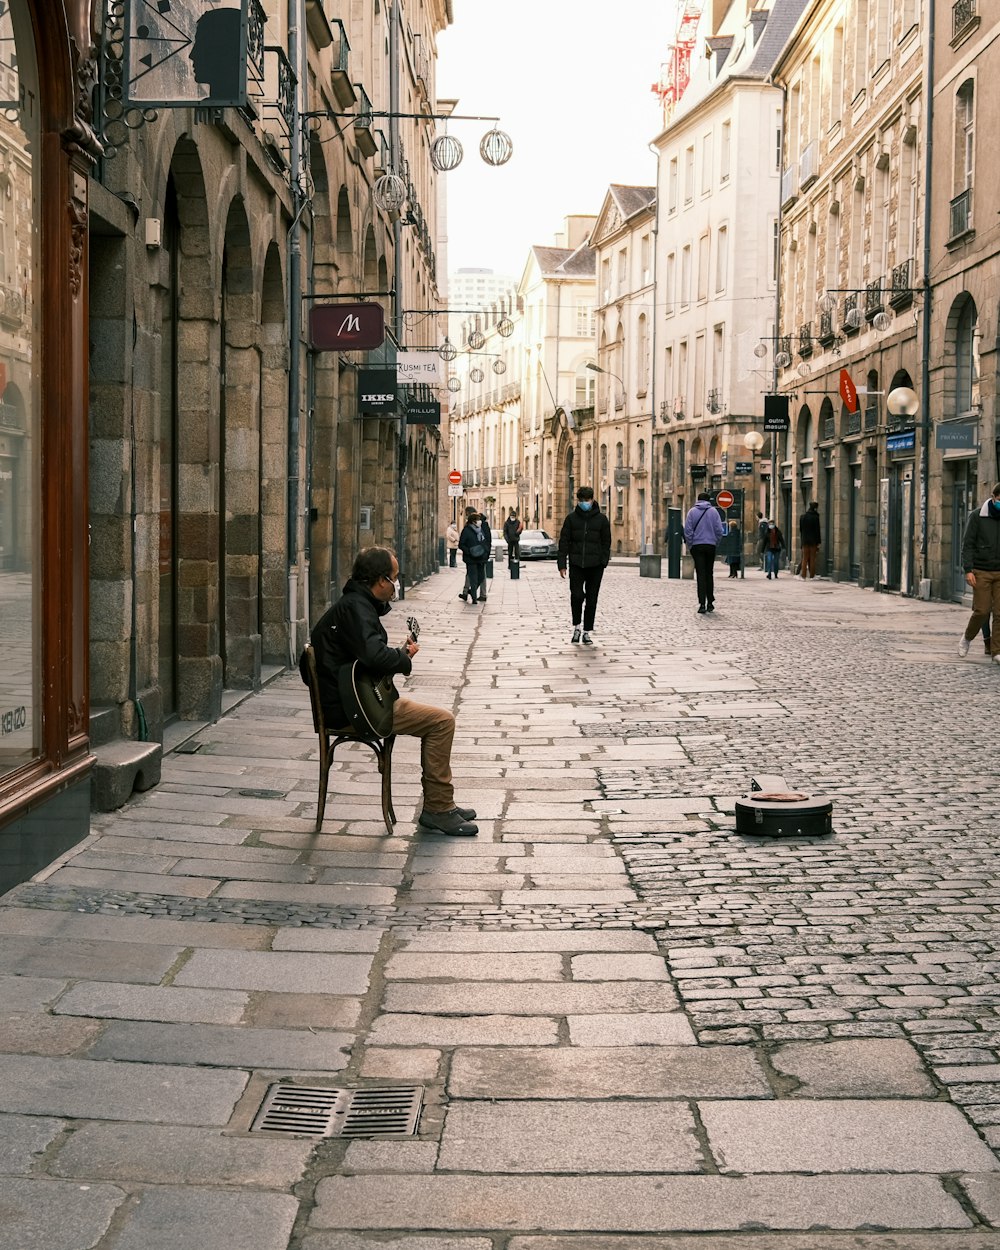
725	499
455	477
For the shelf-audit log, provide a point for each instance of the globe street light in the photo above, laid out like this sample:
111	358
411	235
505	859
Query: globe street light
753	442
903	402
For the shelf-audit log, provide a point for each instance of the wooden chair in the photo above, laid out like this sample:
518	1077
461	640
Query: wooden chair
330	739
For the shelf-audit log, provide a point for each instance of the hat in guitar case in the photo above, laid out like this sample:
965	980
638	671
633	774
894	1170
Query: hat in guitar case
772	810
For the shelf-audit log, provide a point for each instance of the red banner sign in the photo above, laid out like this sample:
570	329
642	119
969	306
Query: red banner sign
848	391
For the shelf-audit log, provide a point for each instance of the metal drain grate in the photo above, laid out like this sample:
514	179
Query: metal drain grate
386	1111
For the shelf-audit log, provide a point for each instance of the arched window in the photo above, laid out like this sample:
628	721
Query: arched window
966	359
668	466
680	461
642	453
619	455
604	461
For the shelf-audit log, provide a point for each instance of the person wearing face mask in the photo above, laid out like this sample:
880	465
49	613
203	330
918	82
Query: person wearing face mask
585	547
475	544
352	630
981	563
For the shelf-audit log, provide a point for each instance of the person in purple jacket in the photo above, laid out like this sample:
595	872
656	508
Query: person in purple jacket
703	527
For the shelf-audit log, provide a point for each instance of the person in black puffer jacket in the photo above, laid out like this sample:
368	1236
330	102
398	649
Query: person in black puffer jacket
981	563
585	546
352	630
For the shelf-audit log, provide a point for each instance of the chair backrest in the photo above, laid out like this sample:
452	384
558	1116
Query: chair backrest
310	675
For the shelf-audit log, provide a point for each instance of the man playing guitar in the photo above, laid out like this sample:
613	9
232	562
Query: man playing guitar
352	630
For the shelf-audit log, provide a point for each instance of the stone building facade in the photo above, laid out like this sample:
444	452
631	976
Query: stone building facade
852	270
232	478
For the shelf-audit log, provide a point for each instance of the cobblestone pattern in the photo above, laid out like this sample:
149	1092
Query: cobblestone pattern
888	928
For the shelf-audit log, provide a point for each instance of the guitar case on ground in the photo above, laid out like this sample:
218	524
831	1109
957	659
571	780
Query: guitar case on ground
773	810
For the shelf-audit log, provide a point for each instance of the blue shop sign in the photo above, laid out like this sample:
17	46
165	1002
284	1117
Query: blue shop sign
906	441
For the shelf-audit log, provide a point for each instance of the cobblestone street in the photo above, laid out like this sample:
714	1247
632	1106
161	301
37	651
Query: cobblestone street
633	1028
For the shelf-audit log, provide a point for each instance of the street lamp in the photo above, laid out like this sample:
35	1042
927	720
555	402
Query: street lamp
902	401
753	442
597	369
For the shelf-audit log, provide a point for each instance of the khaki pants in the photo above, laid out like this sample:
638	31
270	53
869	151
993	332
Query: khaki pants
435	728
809	552
985	603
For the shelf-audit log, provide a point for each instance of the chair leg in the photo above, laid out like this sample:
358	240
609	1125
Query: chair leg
385	768
325	759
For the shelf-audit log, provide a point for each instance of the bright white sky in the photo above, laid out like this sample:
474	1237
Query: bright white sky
570	81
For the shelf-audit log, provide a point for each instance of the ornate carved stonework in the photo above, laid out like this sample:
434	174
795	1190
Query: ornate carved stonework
78	240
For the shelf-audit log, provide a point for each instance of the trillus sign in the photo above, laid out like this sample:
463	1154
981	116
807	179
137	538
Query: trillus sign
423	412
346	327
376	392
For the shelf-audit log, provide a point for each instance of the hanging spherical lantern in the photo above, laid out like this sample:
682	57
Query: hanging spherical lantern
446	153
447	350
454	384
496	147
389	192
760	351
499	366
477	340
782	360
505	327
476	374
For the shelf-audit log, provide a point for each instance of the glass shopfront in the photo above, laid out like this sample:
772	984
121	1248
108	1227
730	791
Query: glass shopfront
20	493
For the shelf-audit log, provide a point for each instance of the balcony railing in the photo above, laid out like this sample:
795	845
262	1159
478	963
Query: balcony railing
789	185
874	303
854	422
805	340
963	14
809	165
364	136
829	429
340	77
961	214
851	320
900	294
871	416
826	331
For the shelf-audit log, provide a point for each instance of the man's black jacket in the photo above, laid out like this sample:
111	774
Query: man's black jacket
981	545
585	539
809	530
352	630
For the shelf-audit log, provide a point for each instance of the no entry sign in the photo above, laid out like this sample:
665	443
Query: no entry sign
725	499
455	477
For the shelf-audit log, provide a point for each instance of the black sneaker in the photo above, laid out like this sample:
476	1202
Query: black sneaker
467	813
701	606
710	607
452	822
587	640
576	634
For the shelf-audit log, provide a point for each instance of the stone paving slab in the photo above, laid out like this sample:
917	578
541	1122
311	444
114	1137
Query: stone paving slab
410	1064
195	850
55	1215
464	1030
575	1137
285	1050
301	1011
348	941
38	1033
865	1068
617	967
609	1072
391	1156
550	999
647	1028
181	1218
80	1089
278	971
129	929
54	957
22	1138
874	1135
141	882
328	895
483	966
171	1155
623	940
635	1204
567	897
361	1241
106	1000
29	993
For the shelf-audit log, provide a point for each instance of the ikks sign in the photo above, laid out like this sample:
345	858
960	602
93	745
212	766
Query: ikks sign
413	368
376	392
346	327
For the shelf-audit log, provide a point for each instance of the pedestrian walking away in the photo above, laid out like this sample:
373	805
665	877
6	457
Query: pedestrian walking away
703	527
809	534
981	564
512	529
735	557
352	630
761	535
475	544
451	538
772	546
585	549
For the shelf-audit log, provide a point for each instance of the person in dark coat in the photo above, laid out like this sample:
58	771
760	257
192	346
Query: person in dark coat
809	535
584	548
512	529
475	543
773	546
981	563
352	630
703	527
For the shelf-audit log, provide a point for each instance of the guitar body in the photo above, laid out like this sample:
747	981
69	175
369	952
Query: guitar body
367	699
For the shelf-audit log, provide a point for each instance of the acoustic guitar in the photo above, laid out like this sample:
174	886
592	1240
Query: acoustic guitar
367	699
